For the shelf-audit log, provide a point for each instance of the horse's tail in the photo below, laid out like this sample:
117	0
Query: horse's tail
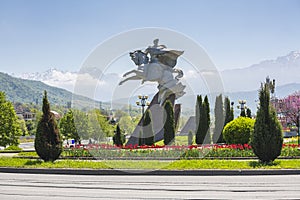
180	74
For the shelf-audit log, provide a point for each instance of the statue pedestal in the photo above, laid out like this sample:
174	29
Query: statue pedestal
157	112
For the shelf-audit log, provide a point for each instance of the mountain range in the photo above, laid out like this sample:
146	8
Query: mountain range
31	91
284	69
240	83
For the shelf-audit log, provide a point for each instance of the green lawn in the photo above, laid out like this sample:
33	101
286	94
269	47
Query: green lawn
168	165
179	140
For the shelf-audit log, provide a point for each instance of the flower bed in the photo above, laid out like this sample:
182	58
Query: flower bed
104	151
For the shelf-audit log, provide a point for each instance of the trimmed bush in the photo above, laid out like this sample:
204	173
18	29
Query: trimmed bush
238	131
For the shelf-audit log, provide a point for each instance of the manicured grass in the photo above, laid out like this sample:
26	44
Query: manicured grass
179	140
153	164
36	163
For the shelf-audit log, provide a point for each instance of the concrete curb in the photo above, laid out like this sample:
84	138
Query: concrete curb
135	172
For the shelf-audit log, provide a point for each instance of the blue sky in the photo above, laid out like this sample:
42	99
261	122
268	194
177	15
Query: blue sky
38	34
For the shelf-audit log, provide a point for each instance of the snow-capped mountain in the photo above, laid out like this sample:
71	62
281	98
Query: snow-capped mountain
284	69
53	77
86	79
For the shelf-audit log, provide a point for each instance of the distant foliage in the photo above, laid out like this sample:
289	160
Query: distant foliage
23	127
169	126
9	126
289	108
92	124
67	127
267	136
238	131
127	123
48	143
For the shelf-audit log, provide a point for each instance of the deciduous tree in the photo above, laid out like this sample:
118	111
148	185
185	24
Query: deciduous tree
68	128
9	126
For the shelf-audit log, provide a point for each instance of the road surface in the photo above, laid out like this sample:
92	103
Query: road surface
76	187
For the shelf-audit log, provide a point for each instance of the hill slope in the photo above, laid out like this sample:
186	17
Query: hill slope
28	91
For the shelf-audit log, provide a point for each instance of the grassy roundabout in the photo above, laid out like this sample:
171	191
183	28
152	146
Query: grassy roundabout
231	157
149	164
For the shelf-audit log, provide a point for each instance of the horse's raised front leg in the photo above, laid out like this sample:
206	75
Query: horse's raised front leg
130	72
130	78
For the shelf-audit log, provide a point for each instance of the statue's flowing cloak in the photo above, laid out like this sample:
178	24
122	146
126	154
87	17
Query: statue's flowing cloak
169	57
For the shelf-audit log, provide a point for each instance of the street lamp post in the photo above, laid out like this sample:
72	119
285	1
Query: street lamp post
142	102
242	105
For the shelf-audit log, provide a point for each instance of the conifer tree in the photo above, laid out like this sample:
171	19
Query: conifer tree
190	138
267	137
207	119
228	111
202	119
48	143
248	113
169	126
148	129
199	113
243	113
118	138
219	120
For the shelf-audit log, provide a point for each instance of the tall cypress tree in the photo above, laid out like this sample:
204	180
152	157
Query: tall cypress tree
207	118
248	113
118	138
199	113
148	129
219	119
243	113
47	143
202	119
267	137
169	126
228	111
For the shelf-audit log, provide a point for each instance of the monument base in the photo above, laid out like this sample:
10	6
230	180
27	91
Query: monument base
157	112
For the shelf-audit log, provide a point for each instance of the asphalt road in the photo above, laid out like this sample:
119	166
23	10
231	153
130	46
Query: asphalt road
75	187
